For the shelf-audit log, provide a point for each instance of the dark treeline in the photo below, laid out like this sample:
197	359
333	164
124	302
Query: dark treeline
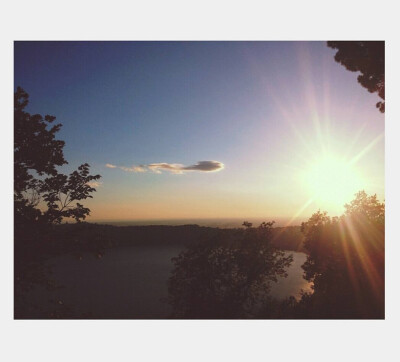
228	273
96	238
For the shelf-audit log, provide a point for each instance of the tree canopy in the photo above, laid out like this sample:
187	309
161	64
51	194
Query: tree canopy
43	196
346	261
41	192
368	58
227	278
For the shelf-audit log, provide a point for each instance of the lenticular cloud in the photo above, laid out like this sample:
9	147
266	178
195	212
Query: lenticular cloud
206	166
176	168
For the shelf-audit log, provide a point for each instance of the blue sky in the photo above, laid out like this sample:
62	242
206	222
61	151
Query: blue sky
263	109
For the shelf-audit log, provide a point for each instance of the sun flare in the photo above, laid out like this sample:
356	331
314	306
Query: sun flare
332	181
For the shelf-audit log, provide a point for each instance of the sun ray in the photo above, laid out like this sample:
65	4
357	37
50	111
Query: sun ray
347	254
298	213
294	217
288	117
366	263
355	140
366	149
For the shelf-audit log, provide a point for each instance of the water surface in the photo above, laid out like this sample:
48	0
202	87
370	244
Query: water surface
131	282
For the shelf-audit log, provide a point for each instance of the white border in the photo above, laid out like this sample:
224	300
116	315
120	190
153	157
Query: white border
201	340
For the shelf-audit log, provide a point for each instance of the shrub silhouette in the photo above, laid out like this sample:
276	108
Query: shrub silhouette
226	277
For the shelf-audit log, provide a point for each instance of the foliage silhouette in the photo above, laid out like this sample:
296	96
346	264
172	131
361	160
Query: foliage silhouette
226	277
346	261
36	151
43	196
367	57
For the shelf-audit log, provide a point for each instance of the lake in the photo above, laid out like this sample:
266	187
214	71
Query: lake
131	282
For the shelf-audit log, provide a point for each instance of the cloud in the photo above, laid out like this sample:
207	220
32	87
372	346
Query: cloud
171	167
94	183
134	169
175	168
207	166
204	166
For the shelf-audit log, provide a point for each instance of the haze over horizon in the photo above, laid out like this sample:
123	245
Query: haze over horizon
207	222
208	130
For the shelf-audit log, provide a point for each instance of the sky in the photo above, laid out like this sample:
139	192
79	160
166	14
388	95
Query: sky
208	129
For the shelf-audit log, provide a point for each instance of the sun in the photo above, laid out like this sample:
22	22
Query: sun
332	181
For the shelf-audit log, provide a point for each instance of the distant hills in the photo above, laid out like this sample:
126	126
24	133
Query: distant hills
85	236
224	223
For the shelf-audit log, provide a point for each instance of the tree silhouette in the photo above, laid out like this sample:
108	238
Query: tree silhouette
367	57
346	261
226	278
43	196
37	153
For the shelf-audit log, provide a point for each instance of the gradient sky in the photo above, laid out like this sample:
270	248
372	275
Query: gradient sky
265	110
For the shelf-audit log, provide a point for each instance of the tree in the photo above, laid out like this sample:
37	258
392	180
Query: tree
346	261
226	278
367	207
37	153
367	57
43	196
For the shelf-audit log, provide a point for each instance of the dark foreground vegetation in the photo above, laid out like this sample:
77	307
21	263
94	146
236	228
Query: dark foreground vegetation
85	241
345	263
228	273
